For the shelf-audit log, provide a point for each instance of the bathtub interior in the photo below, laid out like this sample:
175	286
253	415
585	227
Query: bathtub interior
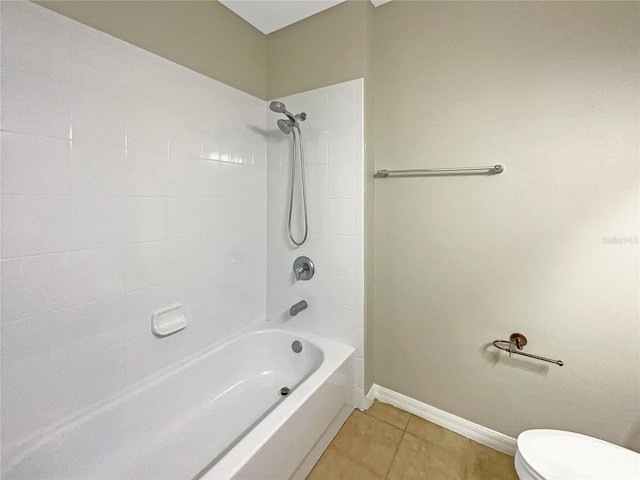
290	440
175	424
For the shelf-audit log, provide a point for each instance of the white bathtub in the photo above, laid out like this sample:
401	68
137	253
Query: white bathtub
218	415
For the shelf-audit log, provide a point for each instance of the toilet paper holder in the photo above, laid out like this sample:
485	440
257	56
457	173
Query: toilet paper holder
518	340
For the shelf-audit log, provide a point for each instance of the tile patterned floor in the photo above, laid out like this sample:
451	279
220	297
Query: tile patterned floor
387	443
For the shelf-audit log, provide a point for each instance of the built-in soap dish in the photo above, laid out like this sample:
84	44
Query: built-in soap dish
168	320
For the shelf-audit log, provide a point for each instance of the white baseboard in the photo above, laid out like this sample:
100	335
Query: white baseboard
466	428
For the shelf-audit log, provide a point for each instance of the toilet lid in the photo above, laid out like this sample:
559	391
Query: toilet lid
554	454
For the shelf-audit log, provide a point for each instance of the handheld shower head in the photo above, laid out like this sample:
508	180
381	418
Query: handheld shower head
277	107
288	126
285	126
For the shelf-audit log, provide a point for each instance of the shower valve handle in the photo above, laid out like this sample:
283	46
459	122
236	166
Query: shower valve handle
303	268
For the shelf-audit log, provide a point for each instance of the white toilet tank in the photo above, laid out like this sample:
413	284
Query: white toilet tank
558	455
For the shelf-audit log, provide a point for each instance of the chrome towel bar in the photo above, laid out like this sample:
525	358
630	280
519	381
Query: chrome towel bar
495	169
519	341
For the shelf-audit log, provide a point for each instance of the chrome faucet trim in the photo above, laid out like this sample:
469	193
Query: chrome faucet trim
303	268
297	308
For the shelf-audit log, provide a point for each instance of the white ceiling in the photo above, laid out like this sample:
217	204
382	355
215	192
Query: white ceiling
271	15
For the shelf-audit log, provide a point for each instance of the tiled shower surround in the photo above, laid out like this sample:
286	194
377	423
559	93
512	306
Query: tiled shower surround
333	134
130	183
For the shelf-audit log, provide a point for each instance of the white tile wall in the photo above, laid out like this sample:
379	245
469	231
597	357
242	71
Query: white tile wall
333	134
118	197
33	165
34	224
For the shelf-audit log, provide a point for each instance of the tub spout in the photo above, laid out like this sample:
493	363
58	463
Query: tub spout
297	308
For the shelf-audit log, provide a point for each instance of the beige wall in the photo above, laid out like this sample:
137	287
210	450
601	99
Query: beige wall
550	90
324	49
204	36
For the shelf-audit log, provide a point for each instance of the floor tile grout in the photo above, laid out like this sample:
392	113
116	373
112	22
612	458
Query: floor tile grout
346	454
384	421
395	454
436	444
397	446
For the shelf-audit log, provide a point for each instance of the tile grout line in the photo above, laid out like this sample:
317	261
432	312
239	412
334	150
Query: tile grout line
471	456
354	460
397	446
407	425
363	465
404	431
395	454
391	424
346	454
